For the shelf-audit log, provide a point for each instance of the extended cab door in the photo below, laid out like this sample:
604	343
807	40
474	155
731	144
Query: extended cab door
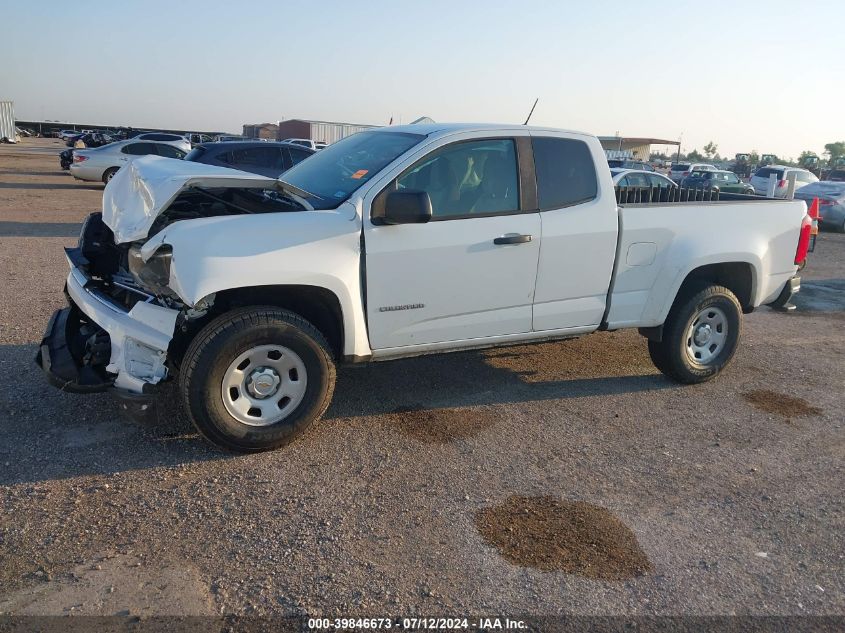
579	216
467	274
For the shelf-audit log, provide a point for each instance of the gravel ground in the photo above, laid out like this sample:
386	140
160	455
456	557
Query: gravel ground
729	494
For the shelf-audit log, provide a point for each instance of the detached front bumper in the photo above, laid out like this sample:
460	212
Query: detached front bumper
72	354
62	352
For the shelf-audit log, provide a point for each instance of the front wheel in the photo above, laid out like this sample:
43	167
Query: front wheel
255	378
700	335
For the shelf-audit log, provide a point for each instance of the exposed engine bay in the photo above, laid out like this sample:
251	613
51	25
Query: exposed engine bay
122	271
200	202
82	351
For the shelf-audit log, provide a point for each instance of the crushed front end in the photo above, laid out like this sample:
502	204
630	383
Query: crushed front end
114	333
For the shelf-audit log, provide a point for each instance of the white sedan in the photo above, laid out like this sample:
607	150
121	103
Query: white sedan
639	178
101	163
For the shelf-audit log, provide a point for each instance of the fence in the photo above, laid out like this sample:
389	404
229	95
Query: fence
639	195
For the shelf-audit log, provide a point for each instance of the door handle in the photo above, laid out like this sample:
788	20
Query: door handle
512	239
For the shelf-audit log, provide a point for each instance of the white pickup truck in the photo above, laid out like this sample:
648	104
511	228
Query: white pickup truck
391	243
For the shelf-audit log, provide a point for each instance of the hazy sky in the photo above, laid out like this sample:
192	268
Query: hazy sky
765	75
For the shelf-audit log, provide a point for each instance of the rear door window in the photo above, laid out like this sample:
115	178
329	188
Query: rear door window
765	172
659	181
265	157
139	149
566	174
168	151
638	180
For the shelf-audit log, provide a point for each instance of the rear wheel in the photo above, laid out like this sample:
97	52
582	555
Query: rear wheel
109	174
253	379
700	335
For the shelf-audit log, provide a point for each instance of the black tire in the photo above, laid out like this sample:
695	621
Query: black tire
215	348
109	174
671	355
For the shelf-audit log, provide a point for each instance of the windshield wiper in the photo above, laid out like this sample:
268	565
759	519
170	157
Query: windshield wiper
297	191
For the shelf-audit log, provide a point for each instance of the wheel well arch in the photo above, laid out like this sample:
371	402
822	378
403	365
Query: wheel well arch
738	277
317	305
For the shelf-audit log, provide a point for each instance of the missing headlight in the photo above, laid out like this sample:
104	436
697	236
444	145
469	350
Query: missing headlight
154	274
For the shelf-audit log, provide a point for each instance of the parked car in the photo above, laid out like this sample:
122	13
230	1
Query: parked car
392	243
306	142
66	134
836	175
102	163
678	171
177	139
226	138
90	140
195	138
723	180
624	163
257	157
640	178
760	179
831	195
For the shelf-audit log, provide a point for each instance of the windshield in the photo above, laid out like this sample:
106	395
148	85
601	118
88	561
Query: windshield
336	172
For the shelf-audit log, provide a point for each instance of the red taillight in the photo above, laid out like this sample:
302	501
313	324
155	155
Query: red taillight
815	216
781	184
826	203
804	240
78	159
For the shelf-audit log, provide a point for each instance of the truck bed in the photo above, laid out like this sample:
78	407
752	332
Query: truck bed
660	243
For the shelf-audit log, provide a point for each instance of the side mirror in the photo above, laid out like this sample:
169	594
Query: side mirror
407	206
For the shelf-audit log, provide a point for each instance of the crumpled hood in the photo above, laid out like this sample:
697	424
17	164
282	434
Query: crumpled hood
146	186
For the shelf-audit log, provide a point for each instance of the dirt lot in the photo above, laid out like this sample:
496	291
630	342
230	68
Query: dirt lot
560	478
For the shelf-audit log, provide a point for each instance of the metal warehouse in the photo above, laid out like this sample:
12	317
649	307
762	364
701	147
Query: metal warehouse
321	131
261	130
631	147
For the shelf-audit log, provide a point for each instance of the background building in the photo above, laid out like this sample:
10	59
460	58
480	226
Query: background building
325	131
631	147
261	130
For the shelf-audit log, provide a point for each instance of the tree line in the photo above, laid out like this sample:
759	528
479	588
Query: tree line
832	151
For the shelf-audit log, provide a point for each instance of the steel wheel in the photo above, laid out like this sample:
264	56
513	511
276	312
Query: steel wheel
264	385
706	335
